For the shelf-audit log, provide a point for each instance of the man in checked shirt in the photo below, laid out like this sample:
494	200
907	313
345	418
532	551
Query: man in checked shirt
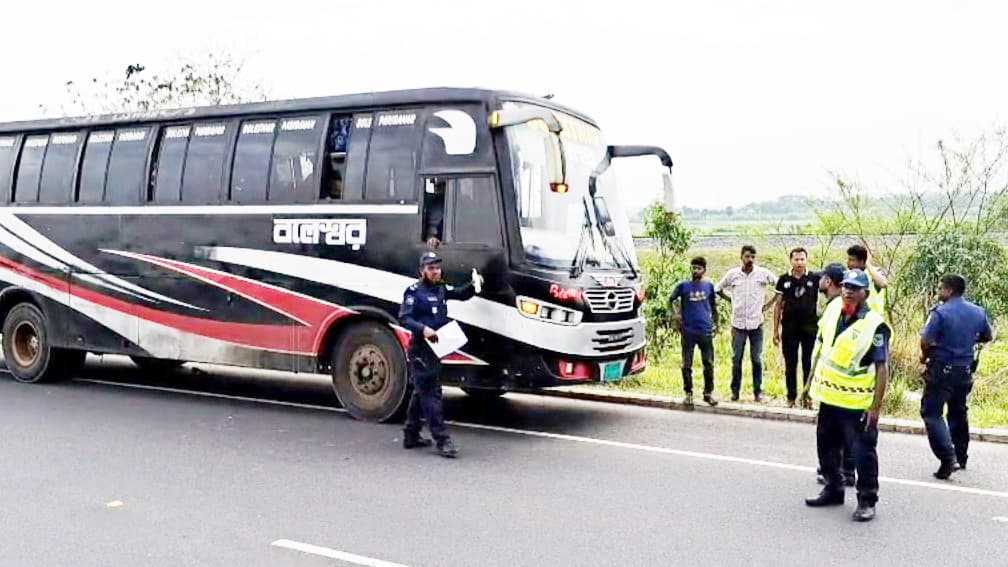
746	288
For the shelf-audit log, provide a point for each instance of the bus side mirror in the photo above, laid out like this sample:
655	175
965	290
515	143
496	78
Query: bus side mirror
541	117
555	162
604	218
668	193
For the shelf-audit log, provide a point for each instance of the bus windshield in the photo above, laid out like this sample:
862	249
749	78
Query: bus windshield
552	223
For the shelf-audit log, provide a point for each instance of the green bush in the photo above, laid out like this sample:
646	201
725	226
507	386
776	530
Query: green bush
662	270
980	259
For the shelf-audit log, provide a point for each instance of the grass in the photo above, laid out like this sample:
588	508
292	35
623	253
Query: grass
988	403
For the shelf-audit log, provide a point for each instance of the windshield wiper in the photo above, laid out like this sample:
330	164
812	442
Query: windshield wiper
588	229
581	254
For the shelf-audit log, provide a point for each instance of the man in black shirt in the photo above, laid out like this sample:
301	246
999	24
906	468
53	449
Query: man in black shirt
795	320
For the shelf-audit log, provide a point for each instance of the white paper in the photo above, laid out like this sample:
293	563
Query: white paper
450	339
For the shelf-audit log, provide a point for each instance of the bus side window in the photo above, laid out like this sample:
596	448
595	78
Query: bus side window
204	164
127	167
58	170
434	209
91	183
30	169
393	157
167	171
474	211
357	156
8	149
296	165
337	144
251	170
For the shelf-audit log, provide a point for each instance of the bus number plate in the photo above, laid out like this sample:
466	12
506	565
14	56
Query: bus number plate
612	371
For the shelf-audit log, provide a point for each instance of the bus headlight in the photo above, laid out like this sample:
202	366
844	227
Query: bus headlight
535	309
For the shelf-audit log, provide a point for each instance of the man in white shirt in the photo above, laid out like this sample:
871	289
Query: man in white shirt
746	288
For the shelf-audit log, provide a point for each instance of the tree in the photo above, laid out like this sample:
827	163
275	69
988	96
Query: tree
663	269
215	79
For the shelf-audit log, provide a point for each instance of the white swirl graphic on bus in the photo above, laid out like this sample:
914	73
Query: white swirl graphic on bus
332	232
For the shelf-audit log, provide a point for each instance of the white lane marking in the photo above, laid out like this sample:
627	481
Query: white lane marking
210	395
334	554
1001	519
948	487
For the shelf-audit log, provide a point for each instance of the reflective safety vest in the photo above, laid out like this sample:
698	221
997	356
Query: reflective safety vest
840	379
876	300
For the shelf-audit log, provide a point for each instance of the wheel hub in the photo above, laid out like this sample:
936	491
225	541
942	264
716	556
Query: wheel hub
27	345
369	370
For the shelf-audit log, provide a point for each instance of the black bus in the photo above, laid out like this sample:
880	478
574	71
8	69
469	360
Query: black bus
282	235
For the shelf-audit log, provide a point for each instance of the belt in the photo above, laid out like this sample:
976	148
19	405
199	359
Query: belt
947	368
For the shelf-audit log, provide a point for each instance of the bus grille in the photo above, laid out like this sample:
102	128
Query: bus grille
609	299
612	340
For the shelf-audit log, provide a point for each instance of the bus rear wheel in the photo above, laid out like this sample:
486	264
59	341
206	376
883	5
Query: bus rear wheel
29	356
369	372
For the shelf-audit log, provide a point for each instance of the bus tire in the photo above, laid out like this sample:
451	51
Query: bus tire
27	352
369	372
484	393
157	365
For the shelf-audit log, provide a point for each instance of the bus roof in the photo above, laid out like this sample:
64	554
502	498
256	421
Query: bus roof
383	99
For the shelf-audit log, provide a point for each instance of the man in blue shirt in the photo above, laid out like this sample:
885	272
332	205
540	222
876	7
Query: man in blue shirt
947	349
694	316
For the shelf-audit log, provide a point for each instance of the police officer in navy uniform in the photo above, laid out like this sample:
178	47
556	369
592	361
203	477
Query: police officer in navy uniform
948	341
424	310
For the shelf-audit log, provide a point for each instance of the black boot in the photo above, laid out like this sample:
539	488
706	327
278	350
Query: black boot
415	440
864	513
447	449
945	470
826	498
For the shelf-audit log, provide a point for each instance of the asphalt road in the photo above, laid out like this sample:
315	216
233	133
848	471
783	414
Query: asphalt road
212	480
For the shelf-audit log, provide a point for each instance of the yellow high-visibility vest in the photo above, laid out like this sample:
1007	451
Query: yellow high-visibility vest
876	300
840	379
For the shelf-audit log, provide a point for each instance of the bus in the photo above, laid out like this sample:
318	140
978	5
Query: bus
282	235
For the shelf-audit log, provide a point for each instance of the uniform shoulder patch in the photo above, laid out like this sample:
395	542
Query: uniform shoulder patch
879	340
449	287
414	286
410	299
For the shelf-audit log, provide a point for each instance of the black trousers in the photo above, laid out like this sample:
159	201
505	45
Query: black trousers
836	429
689	344
425	401
947	385
791	341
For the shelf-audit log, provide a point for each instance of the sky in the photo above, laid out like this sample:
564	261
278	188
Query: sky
752	100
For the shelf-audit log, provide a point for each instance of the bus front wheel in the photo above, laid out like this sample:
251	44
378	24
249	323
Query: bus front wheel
369	372
29	356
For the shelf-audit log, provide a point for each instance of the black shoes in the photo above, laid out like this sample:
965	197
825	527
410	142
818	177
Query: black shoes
447	449
826	498
734	395
864	513
709	398
945	470
415	441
